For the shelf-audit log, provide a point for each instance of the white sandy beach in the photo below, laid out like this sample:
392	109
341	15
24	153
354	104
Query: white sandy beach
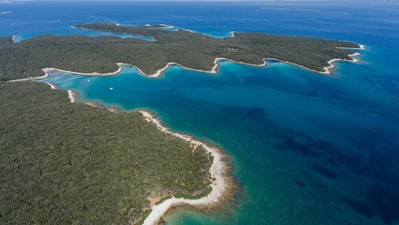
51	86
49	70
72	96
217	170
30	78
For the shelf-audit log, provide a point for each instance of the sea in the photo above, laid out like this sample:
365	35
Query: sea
305	148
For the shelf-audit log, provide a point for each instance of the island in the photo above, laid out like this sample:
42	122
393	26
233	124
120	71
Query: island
191	50
63	163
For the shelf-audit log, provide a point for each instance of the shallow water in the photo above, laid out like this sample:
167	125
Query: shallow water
307	148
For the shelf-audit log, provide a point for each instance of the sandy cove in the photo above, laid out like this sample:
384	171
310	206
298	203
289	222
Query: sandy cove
49	70
218	172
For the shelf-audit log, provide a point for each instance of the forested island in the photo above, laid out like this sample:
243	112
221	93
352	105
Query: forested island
192	50
63	163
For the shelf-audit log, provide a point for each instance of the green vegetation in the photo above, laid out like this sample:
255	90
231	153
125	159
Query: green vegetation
64	163
201	195
145	215
193	50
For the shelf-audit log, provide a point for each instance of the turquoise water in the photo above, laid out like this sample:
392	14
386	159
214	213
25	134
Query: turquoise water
306	148
295	136
83	32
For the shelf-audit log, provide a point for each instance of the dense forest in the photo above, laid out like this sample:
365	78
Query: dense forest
64	163
193	50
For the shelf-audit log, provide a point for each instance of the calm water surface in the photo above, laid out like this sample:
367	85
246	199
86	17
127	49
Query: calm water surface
307	148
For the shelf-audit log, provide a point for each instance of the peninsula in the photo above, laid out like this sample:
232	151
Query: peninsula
64	163
191	50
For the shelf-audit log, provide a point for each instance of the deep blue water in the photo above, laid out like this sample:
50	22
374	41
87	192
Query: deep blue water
307	148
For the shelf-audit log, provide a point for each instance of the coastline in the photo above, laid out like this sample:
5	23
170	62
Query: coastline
72	96
159	73
327	69
214	70
52	86
361	47
32	78
49	70
220	185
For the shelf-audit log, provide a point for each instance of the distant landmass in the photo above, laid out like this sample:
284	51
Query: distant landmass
191	50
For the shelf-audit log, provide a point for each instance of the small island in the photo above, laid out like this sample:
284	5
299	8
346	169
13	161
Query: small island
191	50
